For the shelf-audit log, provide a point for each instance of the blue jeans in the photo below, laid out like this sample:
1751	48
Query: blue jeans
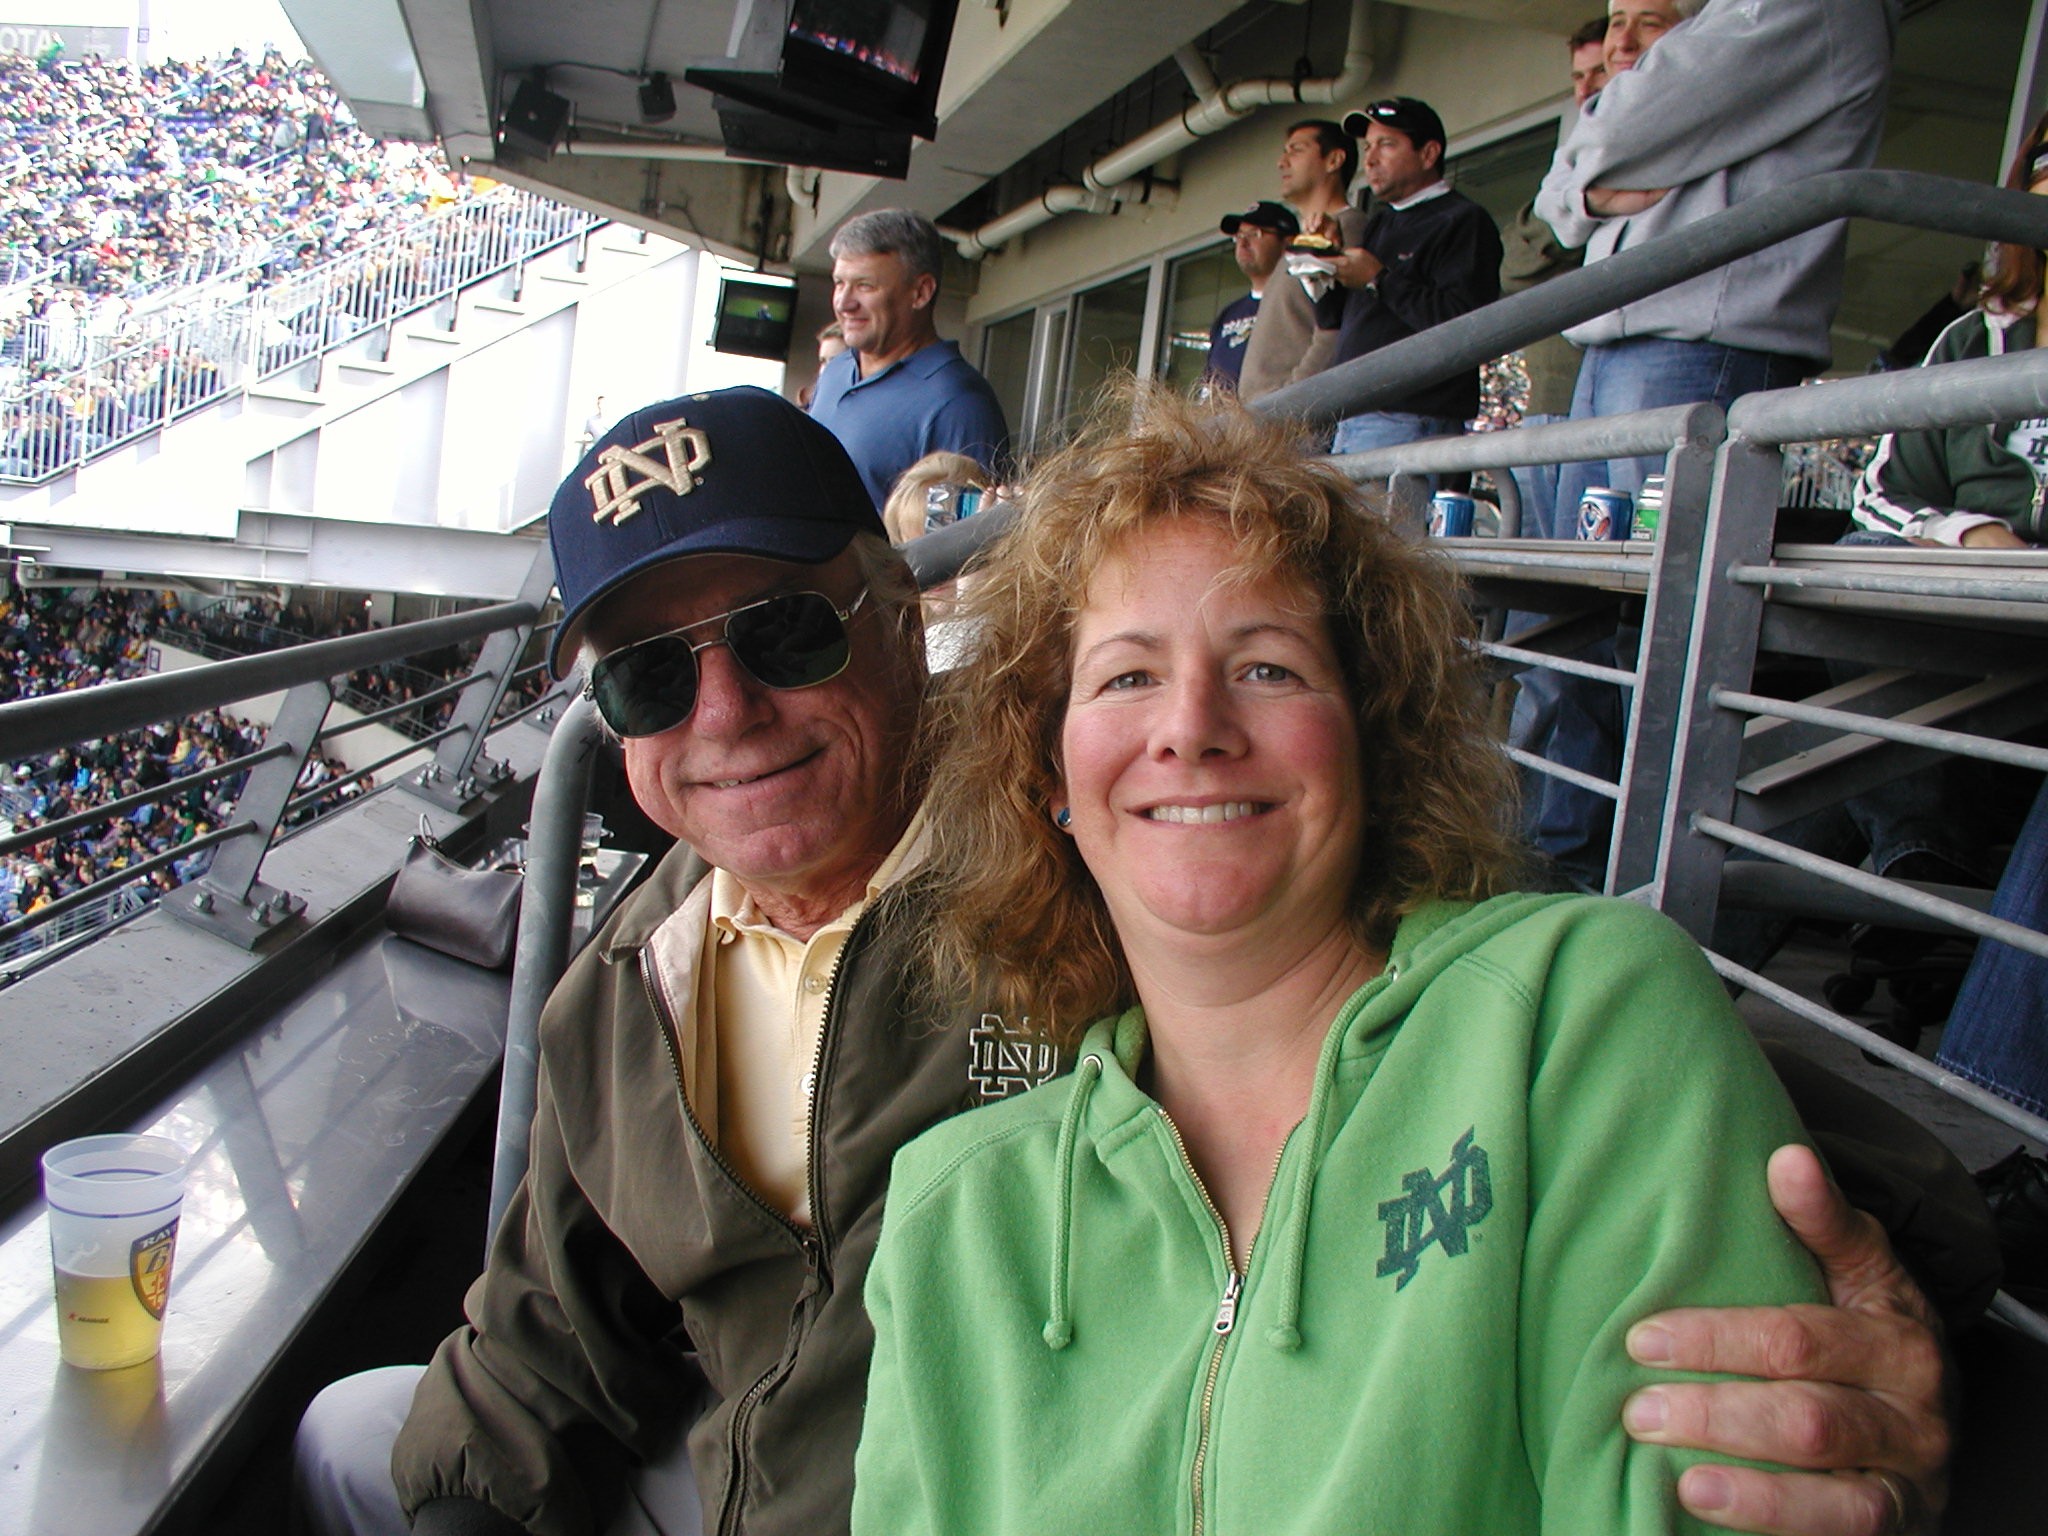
1587	722
1388	429
1538	485
1997	1033
1643	373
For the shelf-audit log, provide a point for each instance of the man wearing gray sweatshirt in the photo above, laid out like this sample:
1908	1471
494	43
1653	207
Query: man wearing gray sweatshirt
1738	98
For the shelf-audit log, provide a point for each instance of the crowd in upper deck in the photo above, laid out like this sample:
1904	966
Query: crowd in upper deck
115	176
121	182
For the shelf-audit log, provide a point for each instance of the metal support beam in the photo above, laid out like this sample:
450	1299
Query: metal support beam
461	771
1667	626
228	900
1721	651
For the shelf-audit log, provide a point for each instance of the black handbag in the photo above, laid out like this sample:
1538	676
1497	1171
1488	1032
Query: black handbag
472	914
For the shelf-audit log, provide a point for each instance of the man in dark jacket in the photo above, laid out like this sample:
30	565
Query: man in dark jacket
669	1330
1428	255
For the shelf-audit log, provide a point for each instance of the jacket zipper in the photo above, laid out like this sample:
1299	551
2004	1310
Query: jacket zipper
1226	1306
728	1519
813	1242
814	1190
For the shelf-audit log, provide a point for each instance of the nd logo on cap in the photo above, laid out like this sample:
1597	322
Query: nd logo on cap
685	451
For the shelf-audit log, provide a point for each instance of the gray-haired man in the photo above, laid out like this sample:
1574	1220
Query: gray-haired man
898	392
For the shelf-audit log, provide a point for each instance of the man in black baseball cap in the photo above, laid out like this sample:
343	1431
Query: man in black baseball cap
1405	115
1259	237
1427	254
1274	218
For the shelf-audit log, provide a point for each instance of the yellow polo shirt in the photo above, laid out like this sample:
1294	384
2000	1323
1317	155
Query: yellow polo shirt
761	999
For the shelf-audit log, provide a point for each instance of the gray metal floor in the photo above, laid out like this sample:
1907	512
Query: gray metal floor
1803	965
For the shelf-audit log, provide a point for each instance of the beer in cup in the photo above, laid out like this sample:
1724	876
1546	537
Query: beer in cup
113	1208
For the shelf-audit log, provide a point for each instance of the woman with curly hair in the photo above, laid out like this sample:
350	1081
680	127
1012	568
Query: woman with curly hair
1367	1161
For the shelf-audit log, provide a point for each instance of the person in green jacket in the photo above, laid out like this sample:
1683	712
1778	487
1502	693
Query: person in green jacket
1368	1162
1979	485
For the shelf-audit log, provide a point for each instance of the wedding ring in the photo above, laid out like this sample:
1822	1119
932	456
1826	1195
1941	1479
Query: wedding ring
1896	1487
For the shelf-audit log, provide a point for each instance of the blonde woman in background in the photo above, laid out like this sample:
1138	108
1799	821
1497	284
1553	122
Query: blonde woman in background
903	513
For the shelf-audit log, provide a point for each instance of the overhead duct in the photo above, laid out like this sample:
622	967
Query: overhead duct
1108	181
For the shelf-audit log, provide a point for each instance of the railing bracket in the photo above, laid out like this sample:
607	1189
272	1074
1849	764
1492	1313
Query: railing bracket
266	914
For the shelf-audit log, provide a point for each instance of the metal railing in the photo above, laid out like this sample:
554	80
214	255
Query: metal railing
191	359
236	635
228	898
1908	198
72	926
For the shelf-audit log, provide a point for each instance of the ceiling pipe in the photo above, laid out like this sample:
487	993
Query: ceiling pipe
1109	181
655	149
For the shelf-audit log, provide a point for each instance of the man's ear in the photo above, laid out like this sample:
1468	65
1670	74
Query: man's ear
1432	154
923	291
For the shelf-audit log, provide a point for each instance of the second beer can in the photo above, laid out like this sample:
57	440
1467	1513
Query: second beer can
1605	513
1450	515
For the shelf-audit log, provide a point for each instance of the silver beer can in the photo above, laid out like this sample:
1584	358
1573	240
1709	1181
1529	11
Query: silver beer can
1605	513
1451	514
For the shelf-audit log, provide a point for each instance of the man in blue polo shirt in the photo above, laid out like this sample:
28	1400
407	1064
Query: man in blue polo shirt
898	392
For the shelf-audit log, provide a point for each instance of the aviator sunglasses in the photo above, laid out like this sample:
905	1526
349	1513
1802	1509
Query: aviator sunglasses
793	640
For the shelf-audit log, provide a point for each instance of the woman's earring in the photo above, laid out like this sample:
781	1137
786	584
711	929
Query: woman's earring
1063	818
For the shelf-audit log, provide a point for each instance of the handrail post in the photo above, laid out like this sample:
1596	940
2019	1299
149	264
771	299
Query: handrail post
460	771
1661	650
1727	625
228	900
546	912
1408	502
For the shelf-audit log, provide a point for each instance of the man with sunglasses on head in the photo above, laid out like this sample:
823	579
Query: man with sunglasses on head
1427	254
730	1065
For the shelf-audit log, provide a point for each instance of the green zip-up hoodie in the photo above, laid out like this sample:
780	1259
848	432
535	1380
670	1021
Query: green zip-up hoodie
1541	1123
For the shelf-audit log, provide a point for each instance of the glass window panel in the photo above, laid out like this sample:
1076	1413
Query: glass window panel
1006	364
1197	288
1109	324
1506	173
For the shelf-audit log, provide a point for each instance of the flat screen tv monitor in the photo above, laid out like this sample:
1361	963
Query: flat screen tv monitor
753	134
825	63
754	318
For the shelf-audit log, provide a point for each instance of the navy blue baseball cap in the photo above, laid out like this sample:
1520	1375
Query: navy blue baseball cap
1263	214
733	472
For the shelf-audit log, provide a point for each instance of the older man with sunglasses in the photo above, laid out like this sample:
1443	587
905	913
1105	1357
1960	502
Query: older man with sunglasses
729	1067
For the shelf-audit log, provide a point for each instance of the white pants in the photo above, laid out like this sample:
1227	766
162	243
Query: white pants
341	1466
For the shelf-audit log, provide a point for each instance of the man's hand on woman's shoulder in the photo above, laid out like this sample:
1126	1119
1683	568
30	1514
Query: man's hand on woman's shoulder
1852	1393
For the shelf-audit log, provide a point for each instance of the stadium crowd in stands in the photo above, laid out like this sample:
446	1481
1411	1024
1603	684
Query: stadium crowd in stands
140	205
118	176
58	639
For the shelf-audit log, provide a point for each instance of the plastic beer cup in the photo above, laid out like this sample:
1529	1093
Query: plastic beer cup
113	1207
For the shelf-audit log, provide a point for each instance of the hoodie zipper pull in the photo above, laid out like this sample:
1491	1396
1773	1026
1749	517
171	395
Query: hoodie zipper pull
1226	1310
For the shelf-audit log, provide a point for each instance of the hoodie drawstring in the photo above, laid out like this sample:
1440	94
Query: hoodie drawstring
1059	1328
1285	1334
